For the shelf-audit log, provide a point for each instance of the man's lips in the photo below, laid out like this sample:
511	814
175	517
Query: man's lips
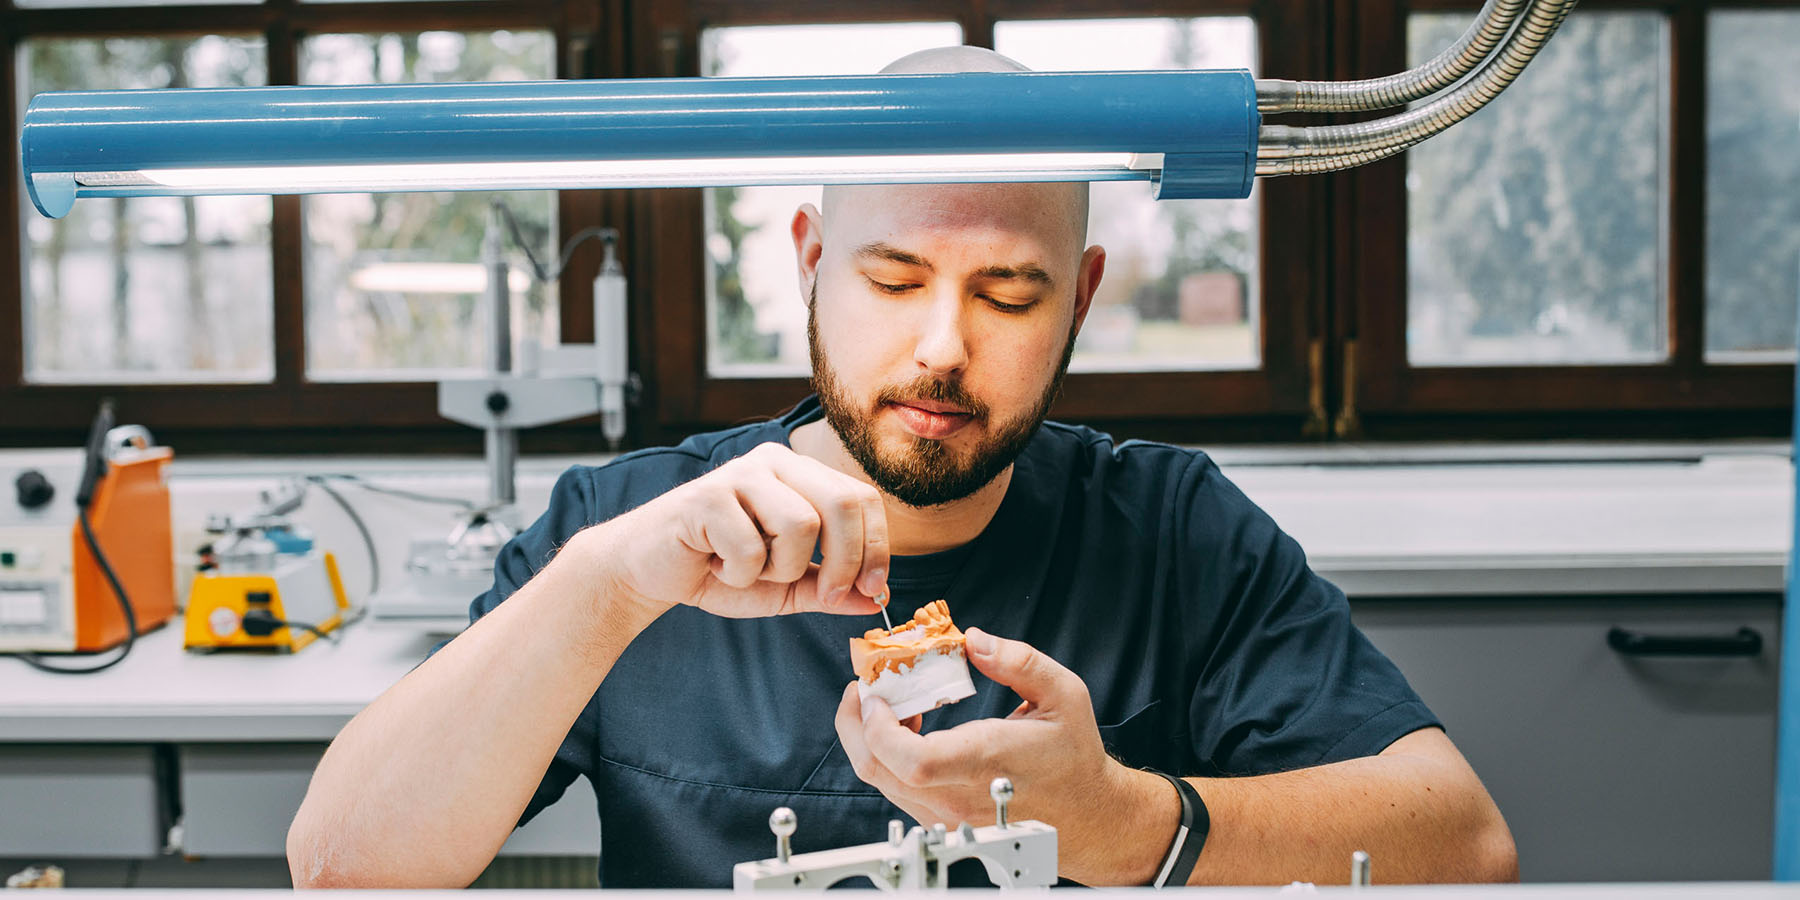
935	406
931	420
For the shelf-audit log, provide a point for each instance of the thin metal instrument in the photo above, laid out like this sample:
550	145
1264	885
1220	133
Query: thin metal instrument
882	599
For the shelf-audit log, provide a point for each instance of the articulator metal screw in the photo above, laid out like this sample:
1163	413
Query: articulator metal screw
782	822
1001	790
1359	869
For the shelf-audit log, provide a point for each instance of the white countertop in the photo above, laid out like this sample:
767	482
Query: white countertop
164	693
1712	524
1719	524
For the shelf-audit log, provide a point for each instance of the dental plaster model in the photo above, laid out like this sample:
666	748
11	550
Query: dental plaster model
917	667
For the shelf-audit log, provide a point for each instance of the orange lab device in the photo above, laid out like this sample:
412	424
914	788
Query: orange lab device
130	515
53	596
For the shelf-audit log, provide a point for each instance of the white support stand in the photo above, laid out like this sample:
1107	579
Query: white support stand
1015	855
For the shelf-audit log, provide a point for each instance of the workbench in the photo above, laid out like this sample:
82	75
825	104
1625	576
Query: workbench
1493	587
241	733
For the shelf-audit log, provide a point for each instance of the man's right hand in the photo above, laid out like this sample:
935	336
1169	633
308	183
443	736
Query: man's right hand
738	541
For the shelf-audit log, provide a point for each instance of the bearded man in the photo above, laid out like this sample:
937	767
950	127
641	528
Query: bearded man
675	627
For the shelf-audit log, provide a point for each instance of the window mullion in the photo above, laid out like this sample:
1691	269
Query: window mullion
12	318
285	226
1685	229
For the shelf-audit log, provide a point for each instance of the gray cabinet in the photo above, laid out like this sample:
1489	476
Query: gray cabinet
238	800
80	801
1608	767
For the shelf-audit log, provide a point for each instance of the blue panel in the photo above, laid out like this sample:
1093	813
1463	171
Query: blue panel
1206	114
1787	743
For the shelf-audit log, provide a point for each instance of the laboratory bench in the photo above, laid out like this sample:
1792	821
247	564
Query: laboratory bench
1495	588
1715	891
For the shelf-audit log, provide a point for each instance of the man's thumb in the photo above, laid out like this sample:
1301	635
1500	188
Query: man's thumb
1016	664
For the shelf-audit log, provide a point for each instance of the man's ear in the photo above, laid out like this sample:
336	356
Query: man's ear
808	229
1087	281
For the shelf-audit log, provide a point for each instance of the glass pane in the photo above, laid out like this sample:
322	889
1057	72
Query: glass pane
157	289
1535	227
755	317
1752	185
394	284
1180	289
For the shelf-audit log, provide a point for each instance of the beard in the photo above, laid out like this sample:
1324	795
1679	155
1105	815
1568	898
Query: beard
924	472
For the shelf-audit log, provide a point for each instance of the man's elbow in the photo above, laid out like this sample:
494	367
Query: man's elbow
1493	855
310	858
322	855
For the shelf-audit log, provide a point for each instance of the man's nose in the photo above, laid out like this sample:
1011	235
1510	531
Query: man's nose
943	347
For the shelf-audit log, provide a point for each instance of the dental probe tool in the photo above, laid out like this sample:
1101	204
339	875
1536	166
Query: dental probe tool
882	600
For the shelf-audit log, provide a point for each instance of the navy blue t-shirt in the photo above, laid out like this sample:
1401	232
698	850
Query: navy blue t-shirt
1208	646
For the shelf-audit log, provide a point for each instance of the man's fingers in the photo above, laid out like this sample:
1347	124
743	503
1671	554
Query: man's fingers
850	734
1038	679
873	580
805	595
787	519
955	756
845	507
730	535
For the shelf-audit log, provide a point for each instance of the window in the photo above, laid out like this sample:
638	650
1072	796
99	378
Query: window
152	289
756	320
1547	267
1180	289
1611	249
1535	228
394	283
1752	185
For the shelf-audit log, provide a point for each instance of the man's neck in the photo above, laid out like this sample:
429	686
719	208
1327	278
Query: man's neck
912	530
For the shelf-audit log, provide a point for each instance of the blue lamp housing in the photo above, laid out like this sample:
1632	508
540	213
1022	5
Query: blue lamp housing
1192	133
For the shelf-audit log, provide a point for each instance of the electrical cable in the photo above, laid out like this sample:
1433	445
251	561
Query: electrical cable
568	249
368	539
403	494
84	496
266	623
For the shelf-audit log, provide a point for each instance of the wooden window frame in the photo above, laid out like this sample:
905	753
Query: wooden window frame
1682	396
1332	258
291	413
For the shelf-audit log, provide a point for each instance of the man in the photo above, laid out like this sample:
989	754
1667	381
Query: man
659	630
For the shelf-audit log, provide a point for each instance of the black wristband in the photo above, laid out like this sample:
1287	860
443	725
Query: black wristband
1184	851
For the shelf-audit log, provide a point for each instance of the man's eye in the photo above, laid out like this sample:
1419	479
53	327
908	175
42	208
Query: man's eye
888	288
1004	306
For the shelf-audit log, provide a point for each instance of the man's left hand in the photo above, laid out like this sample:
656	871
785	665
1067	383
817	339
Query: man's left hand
1049	746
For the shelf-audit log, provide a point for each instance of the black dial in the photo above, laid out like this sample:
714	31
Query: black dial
34	490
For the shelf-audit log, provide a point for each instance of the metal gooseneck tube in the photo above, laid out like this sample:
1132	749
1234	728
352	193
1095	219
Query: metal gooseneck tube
1450	65
1285	150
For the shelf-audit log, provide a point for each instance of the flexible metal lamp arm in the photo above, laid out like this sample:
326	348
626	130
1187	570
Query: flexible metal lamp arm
1449	66
1285	150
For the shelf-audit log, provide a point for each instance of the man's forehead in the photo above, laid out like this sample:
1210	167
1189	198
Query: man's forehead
1051	217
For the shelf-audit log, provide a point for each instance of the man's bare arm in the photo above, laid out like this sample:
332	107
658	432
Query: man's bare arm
422	788
1417	809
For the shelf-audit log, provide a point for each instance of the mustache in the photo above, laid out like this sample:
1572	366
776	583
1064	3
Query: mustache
936	390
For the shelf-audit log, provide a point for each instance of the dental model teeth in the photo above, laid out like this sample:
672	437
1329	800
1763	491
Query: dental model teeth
917	667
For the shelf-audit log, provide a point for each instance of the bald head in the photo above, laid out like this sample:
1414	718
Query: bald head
1062	206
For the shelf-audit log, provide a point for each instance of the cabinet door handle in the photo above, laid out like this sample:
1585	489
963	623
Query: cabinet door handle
1746	642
